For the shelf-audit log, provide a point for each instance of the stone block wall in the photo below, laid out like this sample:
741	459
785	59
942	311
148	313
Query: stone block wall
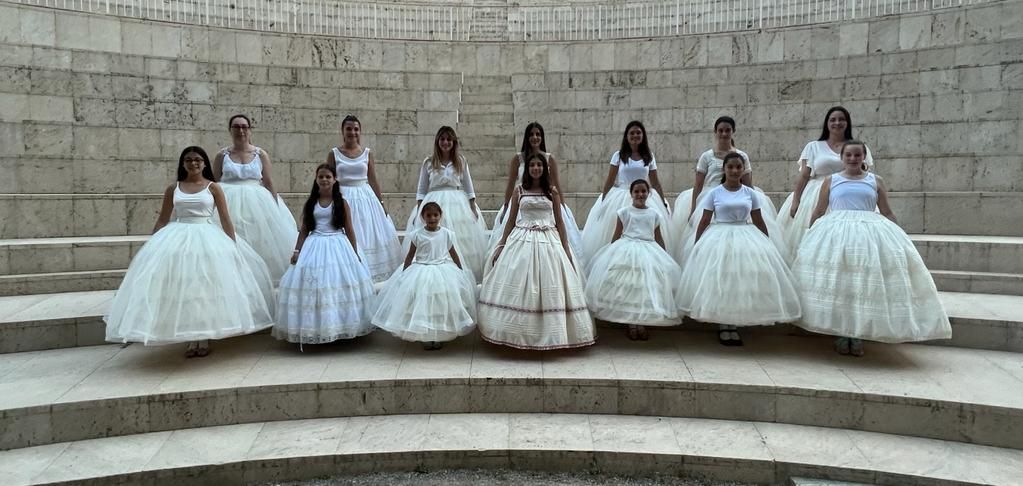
95	109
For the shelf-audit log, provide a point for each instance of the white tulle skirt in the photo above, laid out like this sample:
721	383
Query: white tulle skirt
191	282
575	238
470	231
683	227
427	302
734	275
793	229
324	296
860	276
533	298
634	282
375	236
603	217
263	222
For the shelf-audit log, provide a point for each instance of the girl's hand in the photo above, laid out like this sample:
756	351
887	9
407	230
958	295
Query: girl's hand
475	215
497	253
294	258
795	207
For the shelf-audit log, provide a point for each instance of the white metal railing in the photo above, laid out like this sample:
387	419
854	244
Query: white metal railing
460	21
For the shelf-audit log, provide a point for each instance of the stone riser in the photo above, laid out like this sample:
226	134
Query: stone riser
981	283
60	282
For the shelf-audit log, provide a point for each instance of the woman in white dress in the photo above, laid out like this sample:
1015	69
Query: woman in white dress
735	275
633	280
432	299
192	281
860	276
260	216
819	159
535	142
378	240
533	297
324	295
709	172
444	178
632	161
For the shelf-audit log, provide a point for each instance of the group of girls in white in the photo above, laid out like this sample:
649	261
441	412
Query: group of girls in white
833	261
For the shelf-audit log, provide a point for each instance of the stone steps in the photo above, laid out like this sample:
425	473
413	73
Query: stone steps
721	450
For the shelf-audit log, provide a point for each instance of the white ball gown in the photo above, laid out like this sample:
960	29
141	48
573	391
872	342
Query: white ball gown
452	192
533	298
374	231
191	282
261	220
735	275
860	276
603	217
575	239
432	299
324	296
822	162
633	280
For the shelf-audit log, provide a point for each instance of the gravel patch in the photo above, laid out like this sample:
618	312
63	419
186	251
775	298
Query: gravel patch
498	477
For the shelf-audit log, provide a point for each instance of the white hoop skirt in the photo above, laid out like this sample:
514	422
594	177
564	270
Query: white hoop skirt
191	282
793	229
268	226
861	277
471	232
683	228
427	302
375	236
575	237
634	282
533	298
603	217
735	275
324	296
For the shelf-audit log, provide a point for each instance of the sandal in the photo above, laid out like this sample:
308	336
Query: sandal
203	349
633	333
724	337
641	333
192	350
856	347
842	346
734	339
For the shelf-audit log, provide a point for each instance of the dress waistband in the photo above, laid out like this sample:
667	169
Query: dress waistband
328	233
536	227
353	183
194	219
244	182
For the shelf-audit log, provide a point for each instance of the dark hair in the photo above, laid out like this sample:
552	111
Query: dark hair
848	123
430	205
239	115
337	218
638	182
526	148
350	119
730	156
625	152
545	179
456	159
725	119
207	171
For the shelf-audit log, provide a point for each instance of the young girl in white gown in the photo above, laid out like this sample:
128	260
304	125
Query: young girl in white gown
634	280
444	179
735	275
533	297
324	295
192	281
378	240
860	275
259	215
432	299
632	161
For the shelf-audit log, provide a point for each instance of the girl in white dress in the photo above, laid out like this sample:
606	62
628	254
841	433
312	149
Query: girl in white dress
260	216
378	240
819	159
324	295
860	275
735	276
444	178
432	299
192	281
710	174
535	142
632	161
633	280
533	297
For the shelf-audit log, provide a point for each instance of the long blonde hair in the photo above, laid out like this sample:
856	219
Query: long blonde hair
438	159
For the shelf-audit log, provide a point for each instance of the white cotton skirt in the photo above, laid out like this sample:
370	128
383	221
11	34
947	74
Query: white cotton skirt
683	227
860	276
634	282
575	238
603	217
263	222
793	229
324	296
470	231
427	302
533	298
734	275
191	282
375	236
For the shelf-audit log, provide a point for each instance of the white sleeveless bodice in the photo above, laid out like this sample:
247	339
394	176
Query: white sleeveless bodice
351	172
322	216
638	224
536	212
193	208
433	247
235	172
853	194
